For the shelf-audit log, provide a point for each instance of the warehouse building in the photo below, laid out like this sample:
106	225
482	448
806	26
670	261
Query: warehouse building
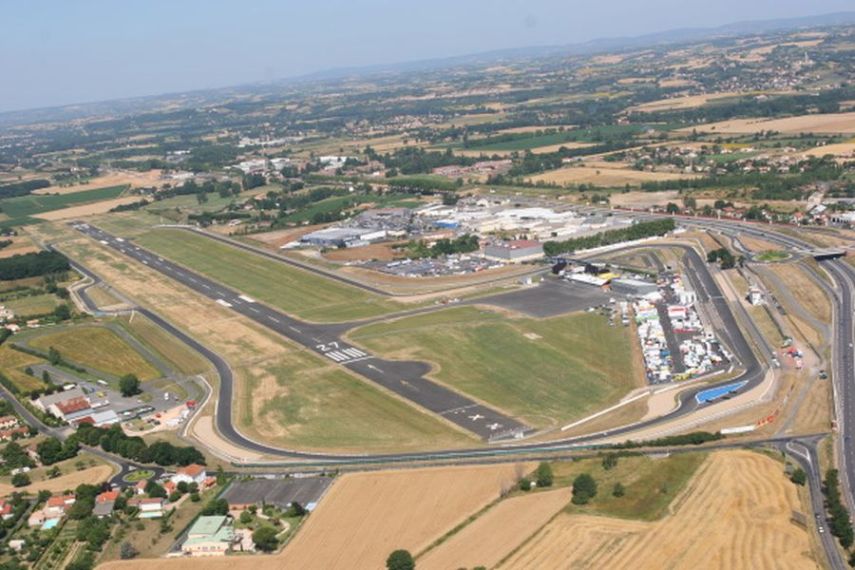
515	251
342	237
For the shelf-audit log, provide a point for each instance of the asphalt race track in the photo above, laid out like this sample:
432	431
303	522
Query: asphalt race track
707	290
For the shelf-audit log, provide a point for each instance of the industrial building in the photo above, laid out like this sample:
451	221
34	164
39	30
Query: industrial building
342	237
514	251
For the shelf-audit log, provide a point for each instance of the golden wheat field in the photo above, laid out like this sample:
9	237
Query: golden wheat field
734	515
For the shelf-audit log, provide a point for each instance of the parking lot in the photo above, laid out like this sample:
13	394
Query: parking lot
549	298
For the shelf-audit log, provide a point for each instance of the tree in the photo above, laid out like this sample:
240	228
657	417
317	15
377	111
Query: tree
265	538
128	551
544	475
525	484
216	507
609	461
296	510
799	477
129	385
62	312
20	480
584	489
54	357
245	517
618	490
400	560
672	208
152	489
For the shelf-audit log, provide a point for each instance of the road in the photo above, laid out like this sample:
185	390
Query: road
804	452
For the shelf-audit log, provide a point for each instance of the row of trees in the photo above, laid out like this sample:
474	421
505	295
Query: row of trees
114	440
22	188
841	527
637	231
462	244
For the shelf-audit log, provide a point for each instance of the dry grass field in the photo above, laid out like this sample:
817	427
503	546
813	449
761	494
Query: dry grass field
365	516
91	475
604	176
686	102
644	199
134	179
803	288
86	209
19	246
735	515
497	533
846	149
825	123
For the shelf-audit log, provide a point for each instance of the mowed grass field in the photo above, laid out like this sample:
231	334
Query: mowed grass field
295	291
98	348
544	371
33	305
733	515
22	209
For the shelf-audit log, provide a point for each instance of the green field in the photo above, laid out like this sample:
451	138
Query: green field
293	290
651	484
19	210
772	255
546	371
33	304
96	347
528	141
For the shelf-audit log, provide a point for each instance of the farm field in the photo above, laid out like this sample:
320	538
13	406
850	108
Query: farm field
364	516
734	514
496	533
24	209
605	176
314	405
545	371
96	347
19	246
293	290
821	123
122	178
86	210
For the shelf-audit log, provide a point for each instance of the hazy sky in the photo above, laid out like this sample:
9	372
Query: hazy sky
54	52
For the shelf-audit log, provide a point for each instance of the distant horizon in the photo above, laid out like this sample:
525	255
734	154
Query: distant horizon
114	64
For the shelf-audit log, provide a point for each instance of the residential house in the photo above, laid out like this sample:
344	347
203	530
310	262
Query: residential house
193	473
209	536
150	508
139	488
9	434
6	510
104	504
8	422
